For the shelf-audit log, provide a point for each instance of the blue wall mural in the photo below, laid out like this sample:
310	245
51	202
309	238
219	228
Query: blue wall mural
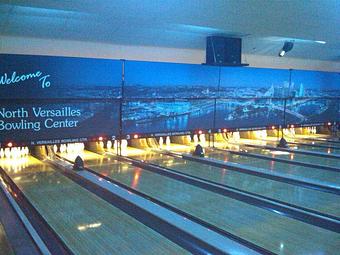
243	97
47	123
312	110
169	80
239	82
167	115
249	113
154	97
315	84
24	76
43	98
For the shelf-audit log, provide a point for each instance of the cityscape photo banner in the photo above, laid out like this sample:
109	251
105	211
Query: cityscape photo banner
46	99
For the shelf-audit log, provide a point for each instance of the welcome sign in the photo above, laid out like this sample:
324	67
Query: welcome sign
34	77
15	78
47	99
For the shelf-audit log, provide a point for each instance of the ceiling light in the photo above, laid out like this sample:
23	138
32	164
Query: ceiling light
321	42
288	46
282	53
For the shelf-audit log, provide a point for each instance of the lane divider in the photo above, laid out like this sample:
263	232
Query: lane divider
292	162
155	222
321	214
325	187
330	223
21	234
321	140
53	244
297	142
316	145
312	153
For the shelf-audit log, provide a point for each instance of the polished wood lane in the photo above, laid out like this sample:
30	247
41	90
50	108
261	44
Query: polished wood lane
86	223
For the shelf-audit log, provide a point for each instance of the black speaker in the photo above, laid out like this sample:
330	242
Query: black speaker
223	51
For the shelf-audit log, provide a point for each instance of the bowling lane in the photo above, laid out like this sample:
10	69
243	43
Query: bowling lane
86	223
317	142
274	143
278	233
331	141
5	247
294	171
319	160
307	198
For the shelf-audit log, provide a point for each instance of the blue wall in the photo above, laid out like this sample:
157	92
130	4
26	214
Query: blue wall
154	97
225	97
45	99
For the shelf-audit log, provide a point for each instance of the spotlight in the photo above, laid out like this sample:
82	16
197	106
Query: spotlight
288	46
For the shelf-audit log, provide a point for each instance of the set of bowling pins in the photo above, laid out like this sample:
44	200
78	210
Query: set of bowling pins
199	139
113	144
290	132
69	148
167	142
260	134
233	136
311	130
15	152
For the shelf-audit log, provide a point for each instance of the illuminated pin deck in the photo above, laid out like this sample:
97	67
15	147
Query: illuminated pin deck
14	152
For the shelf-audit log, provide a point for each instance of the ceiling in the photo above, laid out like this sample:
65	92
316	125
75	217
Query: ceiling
263	25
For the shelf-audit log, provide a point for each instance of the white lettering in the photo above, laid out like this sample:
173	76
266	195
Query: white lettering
21	125
15	78
18	113
50	123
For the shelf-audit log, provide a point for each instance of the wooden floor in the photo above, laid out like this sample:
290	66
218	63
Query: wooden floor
333	162
291	170
272	231
270	141
312	199
86	223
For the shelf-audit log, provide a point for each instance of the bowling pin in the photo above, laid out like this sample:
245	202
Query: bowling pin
15	153
236	136
21	151
167	141
2	153
109	145
195	139
202	139
161	142
26	151
7	153
124	144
